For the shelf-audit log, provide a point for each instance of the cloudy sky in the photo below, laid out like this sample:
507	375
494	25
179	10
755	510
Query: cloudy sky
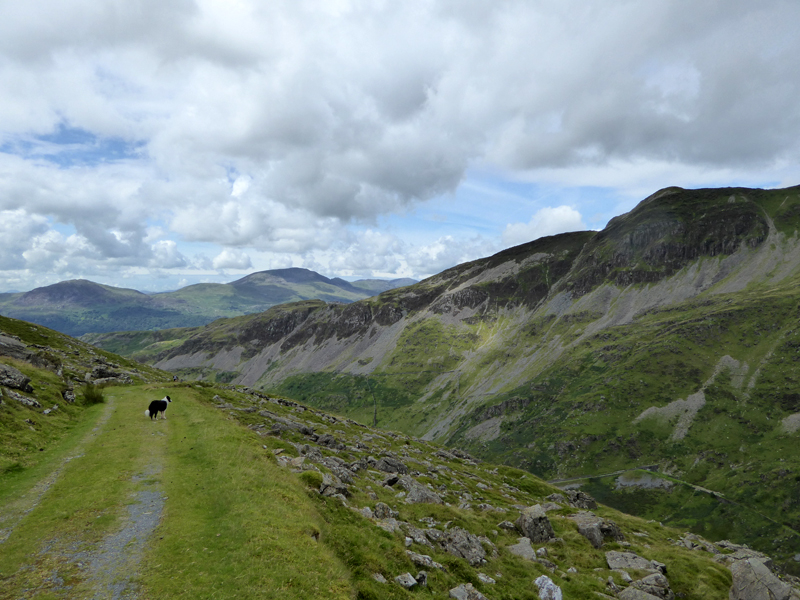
156	143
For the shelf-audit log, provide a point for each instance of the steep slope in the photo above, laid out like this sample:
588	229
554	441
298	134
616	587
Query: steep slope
78	307
242	495
45	377
667	339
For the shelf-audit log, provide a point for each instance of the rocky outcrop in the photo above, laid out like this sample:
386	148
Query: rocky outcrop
596	529
627	561
11	377
548	590
460	542
465	591
752	580
534	524
416	493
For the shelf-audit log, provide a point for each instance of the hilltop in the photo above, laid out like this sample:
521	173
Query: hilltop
666	340
244	494
77	307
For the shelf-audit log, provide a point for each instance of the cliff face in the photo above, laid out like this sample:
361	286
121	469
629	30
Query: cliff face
676	245
668	339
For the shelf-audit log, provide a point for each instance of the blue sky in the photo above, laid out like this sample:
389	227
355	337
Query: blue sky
156	143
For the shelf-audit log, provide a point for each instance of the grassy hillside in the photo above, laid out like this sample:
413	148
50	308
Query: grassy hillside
238	512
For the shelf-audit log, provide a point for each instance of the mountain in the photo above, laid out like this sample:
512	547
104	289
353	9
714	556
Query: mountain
241	492
78	307
667	340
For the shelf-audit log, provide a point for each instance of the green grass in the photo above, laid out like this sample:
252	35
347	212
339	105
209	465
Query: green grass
232	520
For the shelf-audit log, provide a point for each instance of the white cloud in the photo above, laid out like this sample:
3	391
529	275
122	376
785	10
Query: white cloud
231	258
285	127
550	220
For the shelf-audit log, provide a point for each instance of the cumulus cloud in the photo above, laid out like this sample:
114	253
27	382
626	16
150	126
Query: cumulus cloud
231	258
280	126
547	221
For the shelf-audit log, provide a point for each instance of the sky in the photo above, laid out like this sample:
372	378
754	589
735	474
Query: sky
152	144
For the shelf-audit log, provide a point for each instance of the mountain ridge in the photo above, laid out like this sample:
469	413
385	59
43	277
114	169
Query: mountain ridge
80	306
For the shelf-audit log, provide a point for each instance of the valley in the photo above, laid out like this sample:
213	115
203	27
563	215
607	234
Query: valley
669	338
242	494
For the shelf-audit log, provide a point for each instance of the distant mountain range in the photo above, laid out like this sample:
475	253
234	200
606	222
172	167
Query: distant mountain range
79	306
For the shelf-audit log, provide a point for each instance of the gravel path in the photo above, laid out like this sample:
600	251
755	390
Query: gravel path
114	564
108	570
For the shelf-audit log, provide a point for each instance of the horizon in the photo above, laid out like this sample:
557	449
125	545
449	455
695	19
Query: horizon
156	146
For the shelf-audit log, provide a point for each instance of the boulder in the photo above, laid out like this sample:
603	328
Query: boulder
547	589
406	580
388	464
382	511
596	529
332	485
11	377
465	591
418	493
628	561
580	499
534	524
30	402
752	580
423	560
656	585
418	536
523	549
460	542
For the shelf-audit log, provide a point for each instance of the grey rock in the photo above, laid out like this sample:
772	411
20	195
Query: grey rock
391	524
465	591
422	579
628	561
419	536
30	402
332	485
406	580
596	529
557	498
656	585
388	464
752	580
459	542
379	578
483	578
547	589
632	593
534	524
418	493
580	499
507	525
382	511
423	560
523	549
11	377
